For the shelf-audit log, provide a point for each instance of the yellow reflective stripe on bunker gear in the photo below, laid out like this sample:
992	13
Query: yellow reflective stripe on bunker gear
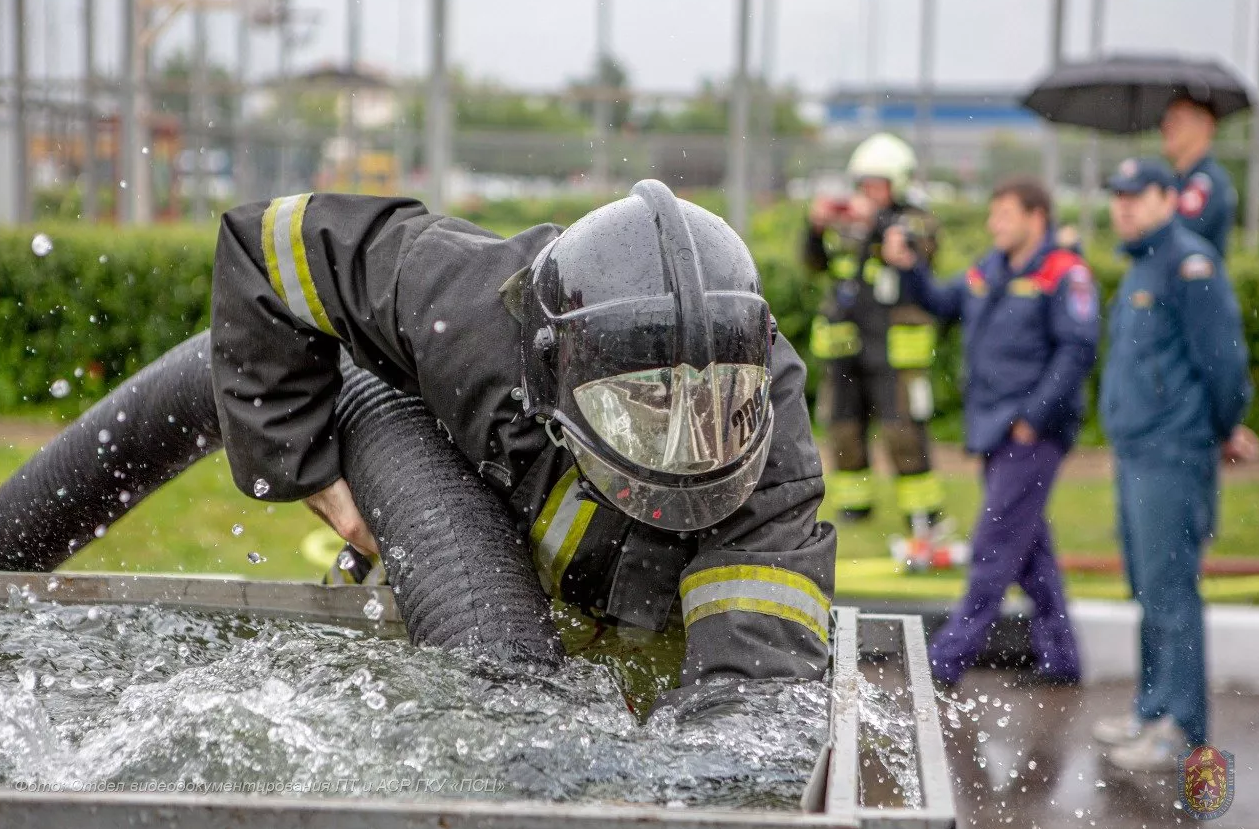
855	490
922	492
911	346
556	534
287	266
755	589
832	340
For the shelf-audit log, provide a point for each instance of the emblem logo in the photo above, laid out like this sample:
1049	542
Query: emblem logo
1207	781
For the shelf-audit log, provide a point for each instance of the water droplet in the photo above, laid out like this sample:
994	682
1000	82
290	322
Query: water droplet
261	488
1099	784
1003	722
345	560
59	388
78	372
439	326
201	441
124	496
1031	765
61	493
99	532
103	259
41	245
1079	813
103	436
373	609
518	393
981	737
257	402
121	416
374	700
144	150
256	558
123	184
237	529
183	650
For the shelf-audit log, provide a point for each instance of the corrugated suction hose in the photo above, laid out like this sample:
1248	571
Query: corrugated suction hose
458	567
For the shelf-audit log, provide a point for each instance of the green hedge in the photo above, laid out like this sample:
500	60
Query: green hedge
106	301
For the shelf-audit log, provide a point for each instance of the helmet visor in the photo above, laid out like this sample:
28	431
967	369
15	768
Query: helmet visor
678	419
674	508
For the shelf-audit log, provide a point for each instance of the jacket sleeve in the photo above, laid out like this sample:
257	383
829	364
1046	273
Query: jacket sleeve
1211	321
941	299
290	287
756	597
1074	328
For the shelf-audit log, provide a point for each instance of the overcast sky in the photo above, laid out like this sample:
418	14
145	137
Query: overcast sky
670	45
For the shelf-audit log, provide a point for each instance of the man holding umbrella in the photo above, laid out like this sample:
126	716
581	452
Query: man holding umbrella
1208	200
1183	98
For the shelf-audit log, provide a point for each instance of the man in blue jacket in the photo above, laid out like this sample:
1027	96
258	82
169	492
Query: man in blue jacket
1029	314
1208	201
1174	390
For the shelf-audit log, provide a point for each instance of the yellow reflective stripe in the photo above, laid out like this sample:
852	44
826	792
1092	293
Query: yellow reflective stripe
756	589
268	249
754	572
303	267
911	346
832	340
763	606
842	267
558	531
854	490
288	269
919	493
572	539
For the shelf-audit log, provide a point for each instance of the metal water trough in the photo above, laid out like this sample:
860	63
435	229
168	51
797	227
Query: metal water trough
832	798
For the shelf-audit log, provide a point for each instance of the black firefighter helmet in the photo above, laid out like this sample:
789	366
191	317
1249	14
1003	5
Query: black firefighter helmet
646	343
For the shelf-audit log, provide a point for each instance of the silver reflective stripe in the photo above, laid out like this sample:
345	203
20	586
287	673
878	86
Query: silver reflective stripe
558	529
293	294
758	590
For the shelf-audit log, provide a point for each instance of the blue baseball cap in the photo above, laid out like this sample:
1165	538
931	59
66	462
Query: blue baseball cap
1136	174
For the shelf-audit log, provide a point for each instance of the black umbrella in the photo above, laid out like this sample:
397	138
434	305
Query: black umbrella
1130	94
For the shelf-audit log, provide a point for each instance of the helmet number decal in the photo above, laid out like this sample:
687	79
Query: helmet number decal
747	417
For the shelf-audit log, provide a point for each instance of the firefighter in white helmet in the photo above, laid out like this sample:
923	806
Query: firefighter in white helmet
877	343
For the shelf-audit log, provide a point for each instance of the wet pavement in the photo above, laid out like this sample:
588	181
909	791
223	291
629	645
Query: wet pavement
1028	760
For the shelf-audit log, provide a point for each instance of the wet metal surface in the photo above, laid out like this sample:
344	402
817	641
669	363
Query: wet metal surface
1028	760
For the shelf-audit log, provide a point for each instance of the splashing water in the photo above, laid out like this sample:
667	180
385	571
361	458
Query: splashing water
121	694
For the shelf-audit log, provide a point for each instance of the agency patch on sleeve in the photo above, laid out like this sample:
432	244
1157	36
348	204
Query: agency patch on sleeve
1194	198
1197	266
1081	294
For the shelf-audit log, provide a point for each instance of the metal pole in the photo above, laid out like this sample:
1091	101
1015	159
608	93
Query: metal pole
128	144
872	61
241	177
1052	159
926	81
602	103
89	111
353	32
1091	172
438	127
401	123
199	115
737	155
1241	24
286	96
22	180
765	131
1252	178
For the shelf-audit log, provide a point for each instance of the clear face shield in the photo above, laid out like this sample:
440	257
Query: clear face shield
678	422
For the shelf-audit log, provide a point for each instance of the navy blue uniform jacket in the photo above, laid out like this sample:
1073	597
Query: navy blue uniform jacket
1030	340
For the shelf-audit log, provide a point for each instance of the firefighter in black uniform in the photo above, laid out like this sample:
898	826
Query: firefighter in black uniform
877	343
618	383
